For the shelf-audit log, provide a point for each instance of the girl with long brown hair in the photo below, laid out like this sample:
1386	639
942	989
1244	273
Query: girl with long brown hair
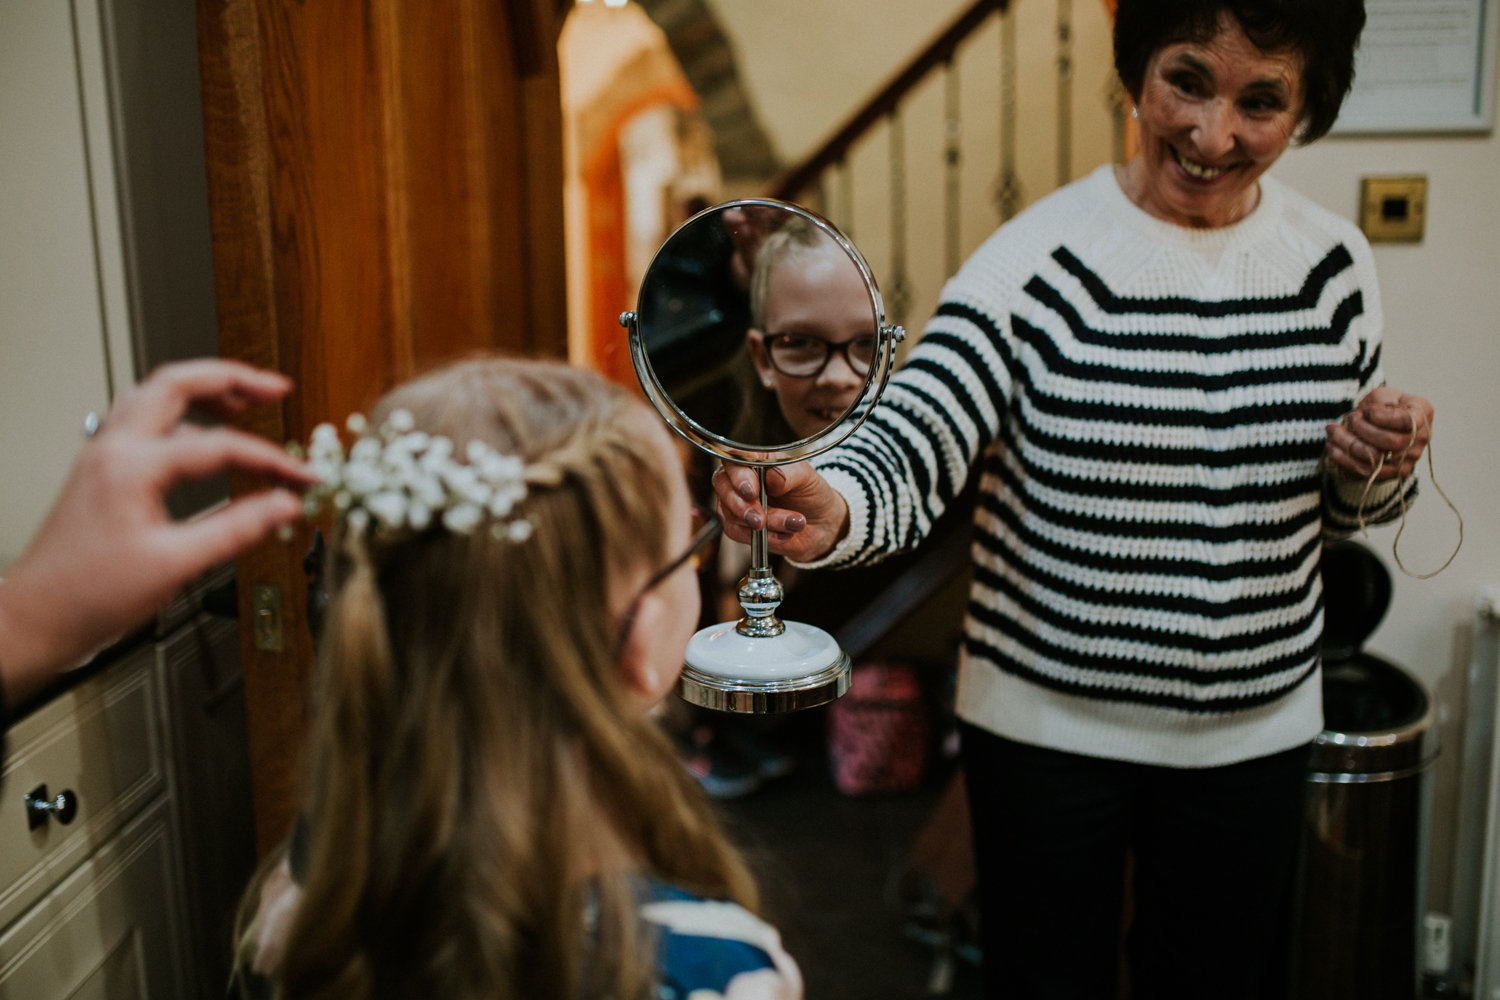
490	811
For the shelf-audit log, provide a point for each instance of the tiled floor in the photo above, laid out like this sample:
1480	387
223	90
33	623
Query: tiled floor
823	861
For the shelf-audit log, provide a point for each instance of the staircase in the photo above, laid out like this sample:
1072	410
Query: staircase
1013	99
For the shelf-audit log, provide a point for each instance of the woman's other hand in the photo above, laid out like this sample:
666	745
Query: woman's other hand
1378	432
109	555
810	518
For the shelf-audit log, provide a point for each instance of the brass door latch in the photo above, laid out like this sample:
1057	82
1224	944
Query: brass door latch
265	605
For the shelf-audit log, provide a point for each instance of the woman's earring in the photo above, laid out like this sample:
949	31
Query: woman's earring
1135	112
766	381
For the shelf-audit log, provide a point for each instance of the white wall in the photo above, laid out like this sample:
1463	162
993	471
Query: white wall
59	275
1442	340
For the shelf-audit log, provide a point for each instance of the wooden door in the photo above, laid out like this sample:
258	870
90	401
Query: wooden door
385	185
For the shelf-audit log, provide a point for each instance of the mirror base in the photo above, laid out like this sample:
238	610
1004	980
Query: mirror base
727	694
728	671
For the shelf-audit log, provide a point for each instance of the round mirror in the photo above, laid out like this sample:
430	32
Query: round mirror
761	338
760	334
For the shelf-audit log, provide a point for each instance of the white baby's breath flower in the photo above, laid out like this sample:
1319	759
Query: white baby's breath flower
365	450
439	450
462	518
363	478
505	498
427	489
389	506
324	436
403	477
500	470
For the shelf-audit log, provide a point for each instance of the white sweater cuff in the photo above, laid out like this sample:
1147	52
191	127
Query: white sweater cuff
1352	489
859	521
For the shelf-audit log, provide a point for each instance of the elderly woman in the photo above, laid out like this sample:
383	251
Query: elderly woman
1171	373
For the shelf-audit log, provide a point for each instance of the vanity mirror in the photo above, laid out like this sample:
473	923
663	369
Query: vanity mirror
760	337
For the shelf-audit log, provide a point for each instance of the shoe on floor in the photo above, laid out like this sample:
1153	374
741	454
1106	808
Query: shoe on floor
723	772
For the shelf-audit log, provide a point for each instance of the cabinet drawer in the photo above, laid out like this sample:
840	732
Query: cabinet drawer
101	741
107	932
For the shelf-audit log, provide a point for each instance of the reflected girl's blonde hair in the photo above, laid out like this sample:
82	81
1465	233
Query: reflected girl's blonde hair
475	757
797	236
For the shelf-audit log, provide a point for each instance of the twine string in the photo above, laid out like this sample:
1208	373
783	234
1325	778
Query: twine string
1413	415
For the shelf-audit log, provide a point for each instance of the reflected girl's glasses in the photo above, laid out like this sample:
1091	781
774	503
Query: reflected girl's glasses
800	356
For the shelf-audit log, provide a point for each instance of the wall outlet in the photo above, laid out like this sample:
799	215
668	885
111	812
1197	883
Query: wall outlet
1437	930
1393	209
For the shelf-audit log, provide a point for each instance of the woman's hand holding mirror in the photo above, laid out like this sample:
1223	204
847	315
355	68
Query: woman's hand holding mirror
809	519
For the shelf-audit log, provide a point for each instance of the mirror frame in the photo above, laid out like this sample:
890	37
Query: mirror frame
715	444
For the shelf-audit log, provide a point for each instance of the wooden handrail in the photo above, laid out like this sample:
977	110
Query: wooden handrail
792	181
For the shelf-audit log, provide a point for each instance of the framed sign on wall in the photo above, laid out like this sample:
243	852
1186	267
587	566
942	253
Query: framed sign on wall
1424	66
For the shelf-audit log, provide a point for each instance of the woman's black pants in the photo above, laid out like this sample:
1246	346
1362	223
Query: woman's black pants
1215	853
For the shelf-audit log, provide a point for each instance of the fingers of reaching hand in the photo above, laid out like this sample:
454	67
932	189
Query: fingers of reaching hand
197	452
219	386
194	546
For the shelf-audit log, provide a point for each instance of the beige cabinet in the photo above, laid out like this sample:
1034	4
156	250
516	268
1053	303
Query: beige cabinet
109	930
92	907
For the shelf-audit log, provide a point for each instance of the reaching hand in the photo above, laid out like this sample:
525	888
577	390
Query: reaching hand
1378	433
812	517
748	227
109	555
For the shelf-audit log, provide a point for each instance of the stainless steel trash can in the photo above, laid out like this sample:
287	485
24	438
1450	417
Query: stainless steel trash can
1362	837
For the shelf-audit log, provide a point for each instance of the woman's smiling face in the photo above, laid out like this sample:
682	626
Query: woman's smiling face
1213	117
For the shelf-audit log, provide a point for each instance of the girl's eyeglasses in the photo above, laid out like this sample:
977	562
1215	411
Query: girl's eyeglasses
802	356
706	528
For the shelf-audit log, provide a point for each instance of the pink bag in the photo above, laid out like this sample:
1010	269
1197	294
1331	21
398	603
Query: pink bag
877	733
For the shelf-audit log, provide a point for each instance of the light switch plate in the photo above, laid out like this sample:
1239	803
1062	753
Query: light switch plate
1393	209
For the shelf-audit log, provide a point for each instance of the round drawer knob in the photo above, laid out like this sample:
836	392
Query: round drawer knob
39	808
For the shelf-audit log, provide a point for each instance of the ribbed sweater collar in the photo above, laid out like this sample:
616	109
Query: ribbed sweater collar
1209	242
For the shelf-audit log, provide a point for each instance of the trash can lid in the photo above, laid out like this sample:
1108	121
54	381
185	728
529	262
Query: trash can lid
1356	594
1377	720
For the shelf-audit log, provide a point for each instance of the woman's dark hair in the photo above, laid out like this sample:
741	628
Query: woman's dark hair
1322	33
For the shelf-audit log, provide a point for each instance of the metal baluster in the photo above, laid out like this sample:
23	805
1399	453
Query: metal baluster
844	213
1119	99
952	155
1008	184
900	297
1064	92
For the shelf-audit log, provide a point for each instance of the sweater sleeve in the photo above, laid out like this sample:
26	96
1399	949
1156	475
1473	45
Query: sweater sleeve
1343	494
901	469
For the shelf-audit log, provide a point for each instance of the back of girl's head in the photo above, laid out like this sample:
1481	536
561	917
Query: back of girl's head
475	759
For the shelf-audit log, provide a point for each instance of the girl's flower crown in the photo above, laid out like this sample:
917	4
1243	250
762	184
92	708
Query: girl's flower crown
403	478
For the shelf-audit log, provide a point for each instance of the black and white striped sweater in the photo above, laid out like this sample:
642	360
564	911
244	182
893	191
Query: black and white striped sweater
1149	405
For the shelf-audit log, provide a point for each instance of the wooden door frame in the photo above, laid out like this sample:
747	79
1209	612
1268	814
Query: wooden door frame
385	191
